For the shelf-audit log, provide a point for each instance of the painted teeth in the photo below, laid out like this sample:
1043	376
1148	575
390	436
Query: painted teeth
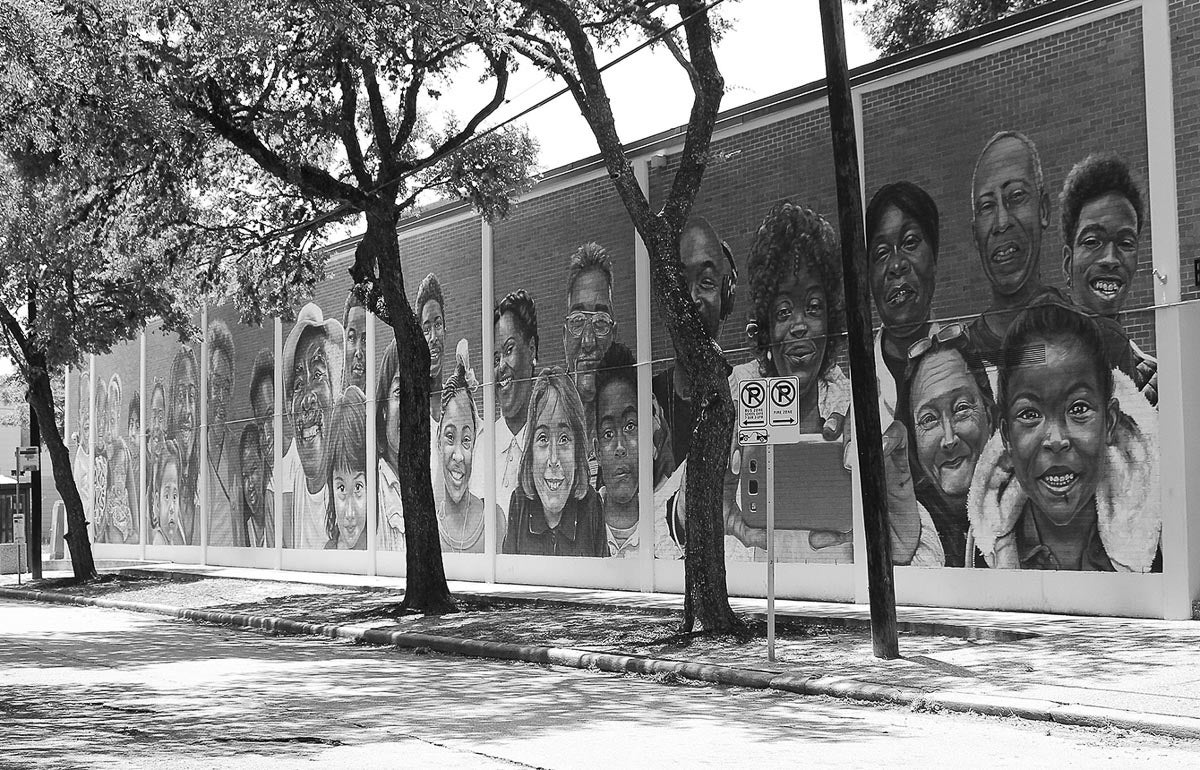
1108	287
1059	480
554	484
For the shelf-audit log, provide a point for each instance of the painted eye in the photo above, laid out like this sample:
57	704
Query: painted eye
783	313
927	421
912	242
1029	414
1017	197
608	434
631	427
1080	409
815	308
1091	242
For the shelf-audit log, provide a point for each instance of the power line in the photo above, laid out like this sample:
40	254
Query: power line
346	209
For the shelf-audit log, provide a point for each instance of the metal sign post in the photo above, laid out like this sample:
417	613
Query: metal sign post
768	414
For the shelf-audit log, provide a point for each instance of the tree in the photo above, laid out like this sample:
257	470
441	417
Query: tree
94	194
323	112
562	39
13	390
895	26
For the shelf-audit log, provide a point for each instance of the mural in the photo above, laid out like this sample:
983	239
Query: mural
1014	347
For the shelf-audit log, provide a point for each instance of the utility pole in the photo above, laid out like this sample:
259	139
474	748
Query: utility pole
864	385
35	476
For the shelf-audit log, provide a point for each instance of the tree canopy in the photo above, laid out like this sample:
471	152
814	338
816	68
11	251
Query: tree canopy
895	26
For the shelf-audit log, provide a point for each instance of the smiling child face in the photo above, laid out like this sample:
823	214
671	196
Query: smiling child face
349	505
1057	427
618	440
553	454
457	445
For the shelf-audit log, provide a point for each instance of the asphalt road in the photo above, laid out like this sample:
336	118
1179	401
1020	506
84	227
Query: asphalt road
89	687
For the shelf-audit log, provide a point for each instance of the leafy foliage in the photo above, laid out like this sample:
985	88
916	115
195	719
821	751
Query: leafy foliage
895	26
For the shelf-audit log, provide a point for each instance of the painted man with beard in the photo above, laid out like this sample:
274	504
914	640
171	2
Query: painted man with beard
312	369
354	320
514	324
1010	211
588	330
1102	224
224	522
711	276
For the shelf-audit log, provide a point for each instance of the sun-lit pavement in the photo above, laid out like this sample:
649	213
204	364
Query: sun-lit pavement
87	687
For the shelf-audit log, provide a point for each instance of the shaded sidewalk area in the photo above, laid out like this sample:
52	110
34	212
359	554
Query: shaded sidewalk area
1130	673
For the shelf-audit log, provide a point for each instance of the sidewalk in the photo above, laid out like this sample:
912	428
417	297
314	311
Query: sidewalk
1128	673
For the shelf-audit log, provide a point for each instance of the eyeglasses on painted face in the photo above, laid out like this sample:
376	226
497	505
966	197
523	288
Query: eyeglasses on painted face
602	323
939	336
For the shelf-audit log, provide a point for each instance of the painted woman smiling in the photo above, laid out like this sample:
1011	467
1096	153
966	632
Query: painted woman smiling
555	511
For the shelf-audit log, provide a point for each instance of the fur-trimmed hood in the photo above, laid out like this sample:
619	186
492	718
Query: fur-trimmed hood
1128	503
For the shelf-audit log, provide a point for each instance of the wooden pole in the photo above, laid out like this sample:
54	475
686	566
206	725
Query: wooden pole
864	385
35	477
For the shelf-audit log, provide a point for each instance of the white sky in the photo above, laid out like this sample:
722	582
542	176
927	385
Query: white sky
774	45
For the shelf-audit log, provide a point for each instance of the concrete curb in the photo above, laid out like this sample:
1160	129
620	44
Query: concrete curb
975	632
836	687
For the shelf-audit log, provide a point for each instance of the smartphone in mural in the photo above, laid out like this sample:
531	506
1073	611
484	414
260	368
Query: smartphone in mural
812	486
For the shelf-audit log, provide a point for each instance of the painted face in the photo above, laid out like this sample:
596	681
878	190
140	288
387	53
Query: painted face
392	418
617	437
950	421
168	494
311	397
1103	257
356	348
349	505
590	295
1057	426
704	268
158	421
902	271
114	411
184	407
133	430
457	445
433	325
553	454
262	403
514	368
252	477
799	317
220	386
1010	215
102	416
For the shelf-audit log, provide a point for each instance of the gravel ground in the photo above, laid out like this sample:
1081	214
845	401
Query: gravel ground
801	648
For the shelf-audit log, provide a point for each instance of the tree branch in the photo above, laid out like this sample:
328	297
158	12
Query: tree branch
348	127
312	181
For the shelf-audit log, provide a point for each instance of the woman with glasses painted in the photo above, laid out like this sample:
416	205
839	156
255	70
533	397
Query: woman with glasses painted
1069	482
949	413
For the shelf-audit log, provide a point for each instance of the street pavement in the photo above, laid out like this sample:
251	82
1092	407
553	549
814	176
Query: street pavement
92	687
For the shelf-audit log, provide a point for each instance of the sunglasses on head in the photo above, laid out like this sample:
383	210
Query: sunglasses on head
939	336
601	322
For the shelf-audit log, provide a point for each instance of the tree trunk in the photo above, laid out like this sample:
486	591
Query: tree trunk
426	590
41	399
707	598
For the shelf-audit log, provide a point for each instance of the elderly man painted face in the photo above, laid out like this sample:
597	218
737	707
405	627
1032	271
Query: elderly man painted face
1010	214
588	329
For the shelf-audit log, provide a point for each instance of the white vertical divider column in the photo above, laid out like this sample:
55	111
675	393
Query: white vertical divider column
491	538
861	580
277	444
91	509
641	263
372	449
69	377
143	481
202	482
1178	446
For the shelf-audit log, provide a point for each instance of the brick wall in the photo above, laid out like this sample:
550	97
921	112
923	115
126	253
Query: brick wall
1185	51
